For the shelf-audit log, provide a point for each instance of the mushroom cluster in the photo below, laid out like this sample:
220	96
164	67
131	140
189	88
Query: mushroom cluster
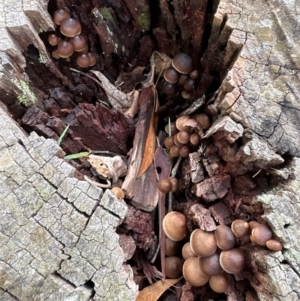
70	40
180	76
185	134
209	257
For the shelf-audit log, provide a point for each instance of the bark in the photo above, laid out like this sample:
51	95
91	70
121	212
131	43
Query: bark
63	229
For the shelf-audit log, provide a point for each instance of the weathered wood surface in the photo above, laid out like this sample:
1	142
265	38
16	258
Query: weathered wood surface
57	232
260	93
258	96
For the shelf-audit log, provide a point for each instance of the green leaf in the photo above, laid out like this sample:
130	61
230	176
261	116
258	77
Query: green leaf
63	134
76	156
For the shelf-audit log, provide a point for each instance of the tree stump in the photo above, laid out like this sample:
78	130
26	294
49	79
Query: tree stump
58	231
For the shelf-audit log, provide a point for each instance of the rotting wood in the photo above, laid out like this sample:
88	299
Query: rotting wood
260	93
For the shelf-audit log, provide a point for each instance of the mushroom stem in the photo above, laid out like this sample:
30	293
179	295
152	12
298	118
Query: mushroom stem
173	174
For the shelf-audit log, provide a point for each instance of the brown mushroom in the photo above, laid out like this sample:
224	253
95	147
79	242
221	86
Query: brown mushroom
232	261
60	15
78	43
83	61
53	39
164	185
240	227
174	151
195	139
261	234
70	28
173	129
192	272
169	142
173	267
118	192
180	123
219	283
210	265
225	237
174	182
171	247
184	151
93	58
55	54
189	84
203	243
183	137
203	119
187	251
194	74
169	88
274	245
65	49
171	75
183	63
175	225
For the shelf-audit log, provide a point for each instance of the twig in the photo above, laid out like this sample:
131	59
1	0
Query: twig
108	185
173	174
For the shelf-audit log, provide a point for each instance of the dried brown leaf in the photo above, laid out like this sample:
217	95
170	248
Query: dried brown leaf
150	143
154	291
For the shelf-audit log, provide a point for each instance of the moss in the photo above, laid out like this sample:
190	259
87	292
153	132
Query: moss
144	21
106	14
26	97
42	59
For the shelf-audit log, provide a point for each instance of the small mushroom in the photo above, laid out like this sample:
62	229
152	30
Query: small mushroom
169	88
175	225
70	28
60	15
185	94
219	283
183	63
169	142
240	227
203	243
194	74
184	151
210	265
192	272
55	54
187	251
261	234
78	43
171	75
183	137
174	151
171	247
118	192
164	185
253	224
173	129
232	261
195	139
177	142
83	61
225	237
173	267
182	79
174	182
274	245
180	123
65	49
53	39
93	58
189	84
203	119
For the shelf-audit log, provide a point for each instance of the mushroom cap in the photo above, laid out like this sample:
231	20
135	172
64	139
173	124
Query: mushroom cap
253	224
183	137
182	79
85	50
169	142
219	283
189	84
173	267
187	251
70	28
55	54
174	182
174	151
240	227
195	139
232	261
203	243
65	49
185	94
118	192
175	225
93	58
183	63
274	245
60	15
164	185
194	74
171	247
184	151
171	75
173	129
203	119
225	237
180	123
210	265
78	43
83	60
261	234
53	39
169	88
192	272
